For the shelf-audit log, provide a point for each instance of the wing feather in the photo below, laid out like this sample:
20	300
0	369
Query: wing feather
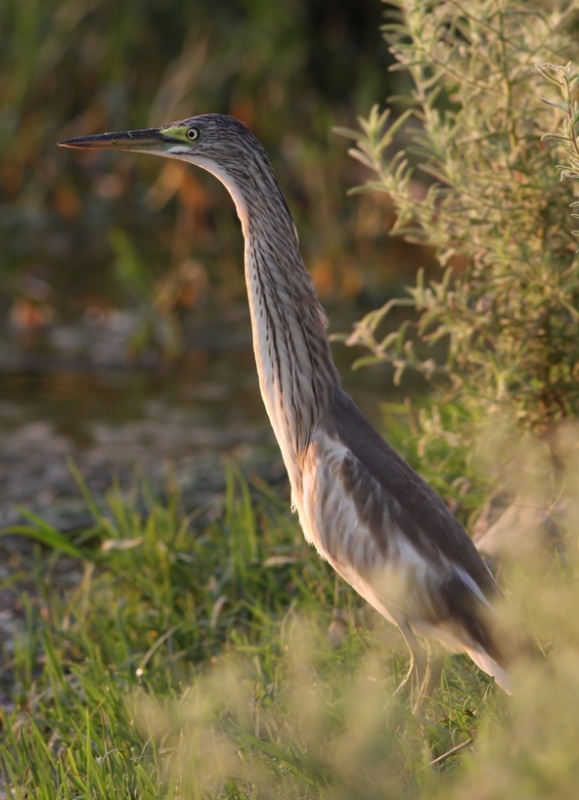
394	541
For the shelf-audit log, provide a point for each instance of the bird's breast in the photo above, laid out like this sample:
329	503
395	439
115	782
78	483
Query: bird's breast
328	510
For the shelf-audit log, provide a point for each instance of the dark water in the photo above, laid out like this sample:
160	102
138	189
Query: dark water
75	392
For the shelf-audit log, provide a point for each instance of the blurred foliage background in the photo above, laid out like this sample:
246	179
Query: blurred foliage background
82	233
124	332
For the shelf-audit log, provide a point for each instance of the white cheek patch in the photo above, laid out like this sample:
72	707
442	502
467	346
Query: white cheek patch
179	150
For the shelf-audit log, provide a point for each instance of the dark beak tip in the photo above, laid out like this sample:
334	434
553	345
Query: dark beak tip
122	140
78	144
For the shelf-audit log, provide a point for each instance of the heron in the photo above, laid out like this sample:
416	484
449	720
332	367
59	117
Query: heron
380	525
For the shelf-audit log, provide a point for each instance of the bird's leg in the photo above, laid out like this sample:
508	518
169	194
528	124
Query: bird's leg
421	668
428	679
434	669
418	661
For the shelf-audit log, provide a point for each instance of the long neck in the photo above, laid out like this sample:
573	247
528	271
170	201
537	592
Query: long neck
294	363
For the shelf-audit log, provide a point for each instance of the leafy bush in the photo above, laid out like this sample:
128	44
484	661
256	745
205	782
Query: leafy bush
477	183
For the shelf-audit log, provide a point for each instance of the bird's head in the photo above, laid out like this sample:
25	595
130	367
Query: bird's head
210	137
218	143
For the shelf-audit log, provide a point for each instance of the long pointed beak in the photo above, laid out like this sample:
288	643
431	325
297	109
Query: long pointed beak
125	140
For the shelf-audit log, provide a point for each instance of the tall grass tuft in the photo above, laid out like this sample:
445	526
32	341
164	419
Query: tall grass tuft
194	661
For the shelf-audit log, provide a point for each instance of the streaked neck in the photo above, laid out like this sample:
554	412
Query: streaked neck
294	363
296	373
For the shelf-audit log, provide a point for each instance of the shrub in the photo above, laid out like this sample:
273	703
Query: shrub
476	181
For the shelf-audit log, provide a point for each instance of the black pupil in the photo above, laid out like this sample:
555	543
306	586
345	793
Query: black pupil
192	133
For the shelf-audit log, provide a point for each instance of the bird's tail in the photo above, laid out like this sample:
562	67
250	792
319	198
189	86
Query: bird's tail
488	664
477	626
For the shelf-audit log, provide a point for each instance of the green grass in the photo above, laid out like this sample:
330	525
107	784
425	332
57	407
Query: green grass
191	659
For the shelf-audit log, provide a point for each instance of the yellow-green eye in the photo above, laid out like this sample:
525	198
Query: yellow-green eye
192	134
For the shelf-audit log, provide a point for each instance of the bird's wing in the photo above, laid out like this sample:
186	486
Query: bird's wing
424	519
391	537
353	526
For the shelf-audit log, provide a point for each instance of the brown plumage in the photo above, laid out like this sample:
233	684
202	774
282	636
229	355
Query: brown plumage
380	525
